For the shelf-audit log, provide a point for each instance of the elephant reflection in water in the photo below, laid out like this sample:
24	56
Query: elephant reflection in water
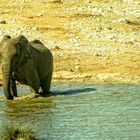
37	113
29	63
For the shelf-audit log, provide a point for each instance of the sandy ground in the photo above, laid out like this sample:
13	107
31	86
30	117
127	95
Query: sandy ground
91	41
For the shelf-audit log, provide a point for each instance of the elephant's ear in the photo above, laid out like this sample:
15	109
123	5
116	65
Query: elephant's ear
25	46
22	39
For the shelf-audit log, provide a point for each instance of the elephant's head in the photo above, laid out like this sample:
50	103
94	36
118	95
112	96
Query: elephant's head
24	50
15	53
6	37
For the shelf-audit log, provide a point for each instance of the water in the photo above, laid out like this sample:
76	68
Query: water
79	112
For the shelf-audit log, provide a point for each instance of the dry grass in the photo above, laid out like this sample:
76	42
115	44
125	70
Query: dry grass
103	36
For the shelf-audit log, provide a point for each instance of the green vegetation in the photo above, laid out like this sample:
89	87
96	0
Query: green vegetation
17	132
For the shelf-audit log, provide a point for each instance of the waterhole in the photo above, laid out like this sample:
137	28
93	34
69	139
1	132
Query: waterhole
79	111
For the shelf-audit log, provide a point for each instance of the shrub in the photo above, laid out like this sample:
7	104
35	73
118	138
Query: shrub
17	132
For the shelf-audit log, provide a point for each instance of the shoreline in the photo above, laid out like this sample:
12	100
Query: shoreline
101	78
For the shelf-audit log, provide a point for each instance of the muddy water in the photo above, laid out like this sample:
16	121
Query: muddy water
79	112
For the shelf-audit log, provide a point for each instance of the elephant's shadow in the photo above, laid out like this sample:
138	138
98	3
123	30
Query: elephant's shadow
69	92
55	92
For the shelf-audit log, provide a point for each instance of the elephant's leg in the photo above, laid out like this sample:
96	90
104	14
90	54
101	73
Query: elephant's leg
46	84
34	82
7	91
13	87
34	86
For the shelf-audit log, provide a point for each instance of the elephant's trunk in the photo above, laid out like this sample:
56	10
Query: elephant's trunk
6	71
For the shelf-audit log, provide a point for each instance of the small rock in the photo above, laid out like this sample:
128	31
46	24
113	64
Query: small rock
77	67
13	20
39	15
96	10
3	22
128	21
109	8
34	28
30	17
72	40
71	70
121	20
109	28
57	48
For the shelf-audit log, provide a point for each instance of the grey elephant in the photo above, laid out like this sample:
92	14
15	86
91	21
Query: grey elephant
29	63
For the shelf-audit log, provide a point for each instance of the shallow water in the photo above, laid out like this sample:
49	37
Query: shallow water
77	111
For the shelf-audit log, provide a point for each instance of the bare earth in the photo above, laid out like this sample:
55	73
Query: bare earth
92	41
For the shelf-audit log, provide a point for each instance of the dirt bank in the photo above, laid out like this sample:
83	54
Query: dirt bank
92	41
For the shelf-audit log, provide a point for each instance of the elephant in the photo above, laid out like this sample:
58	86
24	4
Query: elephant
29	63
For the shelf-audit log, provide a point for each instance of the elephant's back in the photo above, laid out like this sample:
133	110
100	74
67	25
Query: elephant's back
42	58
40	48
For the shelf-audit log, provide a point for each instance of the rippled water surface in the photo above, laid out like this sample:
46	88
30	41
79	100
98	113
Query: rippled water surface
79	112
